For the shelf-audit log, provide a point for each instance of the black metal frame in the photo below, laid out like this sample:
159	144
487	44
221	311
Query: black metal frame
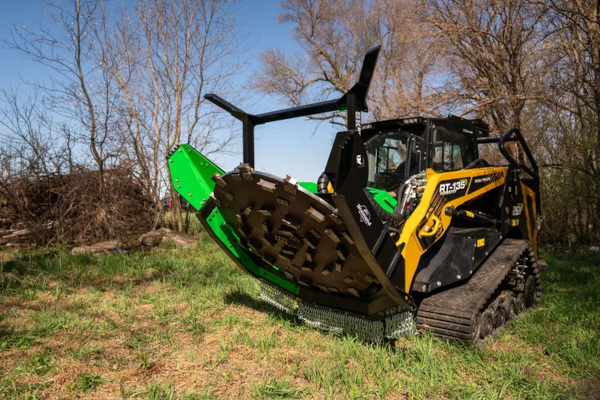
514	135
354	101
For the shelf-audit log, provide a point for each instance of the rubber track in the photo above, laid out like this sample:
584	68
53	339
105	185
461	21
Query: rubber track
453	314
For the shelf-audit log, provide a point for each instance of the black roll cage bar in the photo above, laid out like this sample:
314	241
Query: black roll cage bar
514	135
353	101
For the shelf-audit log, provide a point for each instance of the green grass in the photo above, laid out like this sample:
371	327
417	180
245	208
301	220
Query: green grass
276	389
88	382
186	324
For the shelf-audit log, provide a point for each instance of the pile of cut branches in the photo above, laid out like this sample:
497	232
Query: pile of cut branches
76	208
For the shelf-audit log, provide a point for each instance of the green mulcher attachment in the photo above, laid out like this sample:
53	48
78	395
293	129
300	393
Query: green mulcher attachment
295	243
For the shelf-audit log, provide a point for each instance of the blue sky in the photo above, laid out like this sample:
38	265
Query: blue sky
296	147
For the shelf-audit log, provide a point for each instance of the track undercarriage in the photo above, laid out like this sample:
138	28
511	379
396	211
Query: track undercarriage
508	282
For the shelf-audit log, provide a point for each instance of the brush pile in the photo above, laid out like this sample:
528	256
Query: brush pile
77	208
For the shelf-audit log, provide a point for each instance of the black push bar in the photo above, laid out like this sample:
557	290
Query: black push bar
508	137
354	101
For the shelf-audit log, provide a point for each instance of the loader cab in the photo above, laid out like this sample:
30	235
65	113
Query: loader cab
399	149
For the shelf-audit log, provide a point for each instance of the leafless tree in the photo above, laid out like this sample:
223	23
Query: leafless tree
166	55
492	50
573	107
32	139
66	46
334	36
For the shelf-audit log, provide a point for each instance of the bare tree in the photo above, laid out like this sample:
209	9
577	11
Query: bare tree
166	56
66	46
493	50
333	44
32	139
573	106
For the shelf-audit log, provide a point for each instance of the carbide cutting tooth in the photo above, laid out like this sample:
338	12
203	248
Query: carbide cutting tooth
294	242
245	167
308	266
338	267
333	289
309	256
245	171
290	222
219	180
348	279
282	232
288	255
315	233
353	291
326	271
265	211
369	278
281	239
266	185
311	242
347	238
323	288
283	202
304	280
314	214
215	200
289	275
332	236
290	185
239	219
336	218
265	228
341	253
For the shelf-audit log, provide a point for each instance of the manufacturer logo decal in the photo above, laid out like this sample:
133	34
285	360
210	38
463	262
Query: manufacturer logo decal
365	215
483	179
359	161
517	210
452	187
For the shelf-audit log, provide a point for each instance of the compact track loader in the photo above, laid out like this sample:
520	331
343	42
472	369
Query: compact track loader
406	222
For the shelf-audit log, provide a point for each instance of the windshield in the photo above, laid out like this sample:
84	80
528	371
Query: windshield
451	150
392	159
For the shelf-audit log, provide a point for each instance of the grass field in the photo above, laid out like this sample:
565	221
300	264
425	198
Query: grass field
186	324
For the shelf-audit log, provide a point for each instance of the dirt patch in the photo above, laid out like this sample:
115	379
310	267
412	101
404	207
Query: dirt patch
591	389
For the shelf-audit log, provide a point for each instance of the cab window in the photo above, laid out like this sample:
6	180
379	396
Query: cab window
451	150
389	155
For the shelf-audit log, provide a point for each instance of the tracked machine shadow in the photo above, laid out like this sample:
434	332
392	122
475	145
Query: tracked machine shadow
407	223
